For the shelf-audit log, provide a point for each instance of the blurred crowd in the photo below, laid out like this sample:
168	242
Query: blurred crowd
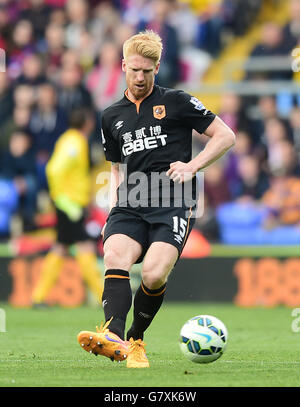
63	54
252	195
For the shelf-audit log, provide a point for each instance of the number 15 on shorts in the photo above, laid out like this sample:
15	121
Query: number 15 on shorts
179	228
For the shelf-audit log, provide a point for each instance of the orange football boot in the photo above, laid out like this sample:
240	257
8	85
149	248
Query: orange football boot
137	355
104	342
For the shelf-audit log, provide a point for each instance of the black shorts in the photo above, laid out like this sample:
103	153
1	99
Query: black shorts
69	232
147	225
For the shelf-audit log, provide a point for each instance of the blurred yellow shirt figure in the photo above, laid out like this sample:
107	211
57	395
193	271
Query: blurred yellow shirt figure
68	174
68	168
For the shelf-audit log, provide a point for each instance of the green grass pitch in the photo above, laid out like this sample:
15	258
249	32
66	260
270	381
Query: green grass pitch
39	348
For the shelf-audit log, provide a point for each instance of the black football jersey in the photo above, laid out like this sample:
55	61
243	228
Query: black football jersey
149	136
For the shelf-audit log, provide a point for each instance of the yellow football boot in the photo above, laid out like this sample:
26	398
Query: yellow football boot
137	355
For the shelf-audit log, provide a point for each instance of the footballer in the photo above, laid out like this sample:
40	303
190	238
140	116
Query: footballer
148	132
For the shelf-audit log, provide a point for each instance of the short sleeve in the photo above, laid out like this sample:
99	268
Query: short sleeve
193	113
110	145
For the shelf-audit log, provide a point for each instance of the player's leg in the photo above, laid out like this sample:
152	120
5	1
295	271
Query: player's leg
120	252
87	260
124	239
51	268
166	240
149	296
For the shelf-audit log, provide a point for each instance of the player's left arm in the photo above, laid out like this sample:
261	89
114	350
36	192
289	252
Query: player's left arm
222	138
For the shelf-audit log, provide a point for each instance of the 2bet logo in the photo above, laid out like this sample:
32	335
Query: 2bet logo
268	282
139	140
144	144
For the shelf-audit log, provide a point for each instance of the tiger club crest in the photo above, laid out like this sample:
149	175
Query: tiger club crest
159	112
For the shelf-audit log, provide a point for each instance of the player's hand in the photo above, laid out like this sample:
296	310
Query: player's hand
72	209
180	172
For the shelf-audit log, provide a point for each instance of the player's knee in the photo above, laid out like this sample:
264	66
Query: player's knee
112	259
154	281
115	260
154	278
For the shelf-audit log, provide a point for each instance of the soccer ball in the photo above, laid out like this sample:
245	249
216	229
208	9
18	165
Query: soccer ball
203	339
